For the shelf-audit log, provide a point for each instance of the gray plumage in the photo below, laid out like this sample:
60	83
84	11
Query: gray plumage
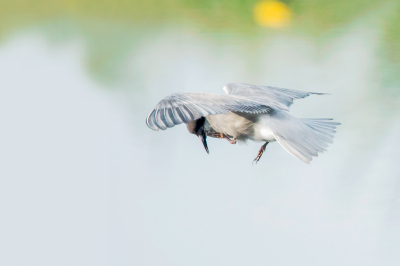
184	107
266	94
259	113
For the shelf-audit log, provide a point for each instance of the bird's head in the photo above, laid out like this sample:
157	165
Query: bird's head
197	127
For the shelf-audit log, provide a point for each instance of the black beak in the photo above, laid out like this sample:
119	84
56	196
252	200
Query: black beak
203	137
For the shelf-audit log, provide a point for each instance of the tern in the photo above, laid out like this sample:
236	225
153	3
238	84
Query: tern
246	112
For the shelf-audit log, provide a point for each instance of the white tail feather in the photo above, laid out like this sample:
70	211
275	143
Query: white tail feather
303	138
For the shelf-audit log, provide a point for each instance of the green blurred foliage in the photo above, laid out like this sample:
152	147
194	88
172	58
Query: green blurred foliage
110	27
317	15
392	34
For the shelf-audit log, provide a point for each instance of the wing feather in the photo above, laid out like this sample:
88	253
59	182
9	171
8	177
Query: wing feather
185	107
151	121
269	95
166	116
159	122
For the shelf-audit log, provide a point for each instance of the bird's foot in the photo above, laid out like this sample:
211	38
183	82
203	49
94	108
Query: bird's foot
260	153
223	136
231	141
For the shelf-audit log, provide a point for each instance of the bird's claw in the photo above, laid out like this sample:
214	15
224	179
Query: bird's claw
260	153
223	136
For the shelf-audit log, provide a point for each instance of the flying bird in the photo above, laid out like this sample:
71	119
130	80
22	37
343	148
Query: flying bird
246	112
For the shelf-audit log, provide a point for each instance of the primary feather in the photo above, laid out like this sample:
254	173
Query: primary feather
185	107
267	94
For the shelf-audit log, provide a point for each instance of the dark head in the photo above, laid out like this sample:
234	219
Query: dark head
197	127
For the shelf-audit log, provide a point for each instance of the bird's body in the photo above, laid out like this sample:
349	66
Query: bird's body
234	125
242	126
247	112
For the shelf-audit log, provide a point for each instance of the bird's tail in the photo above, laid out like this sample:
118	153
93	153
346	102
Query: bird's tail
322	126
305	137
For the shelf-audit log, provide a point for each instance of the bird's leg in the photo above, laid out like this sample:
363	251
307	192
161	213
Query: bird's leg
260	152
223	136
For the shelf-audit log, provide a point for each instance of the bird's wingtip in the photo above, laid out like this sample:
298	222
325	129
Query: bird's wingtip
151	124
320	93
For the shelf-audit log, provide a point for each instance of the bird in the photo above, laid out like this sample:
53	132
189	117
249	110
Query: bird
247	112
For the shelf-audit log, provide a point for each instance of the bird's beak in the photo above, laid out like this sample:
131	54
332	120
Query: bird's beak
203	137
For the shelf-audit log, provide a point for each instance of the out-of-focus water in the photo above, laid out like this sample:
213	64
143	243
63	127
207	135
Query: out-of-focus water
85	182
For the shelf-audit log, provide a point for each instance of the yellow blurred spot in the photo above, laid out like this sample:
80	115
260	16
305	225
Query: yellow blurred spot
272	14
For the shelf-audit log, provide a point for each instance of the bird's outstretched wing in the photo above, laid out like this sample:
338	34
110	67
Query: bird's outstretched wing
185	107
266	93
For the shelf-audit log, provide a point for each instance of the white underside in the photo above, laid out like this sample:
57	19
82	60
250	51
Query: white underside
262	129
264	133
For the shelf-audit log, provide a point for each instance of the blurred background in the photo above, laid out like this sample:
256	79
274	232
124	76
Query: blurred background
83	181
